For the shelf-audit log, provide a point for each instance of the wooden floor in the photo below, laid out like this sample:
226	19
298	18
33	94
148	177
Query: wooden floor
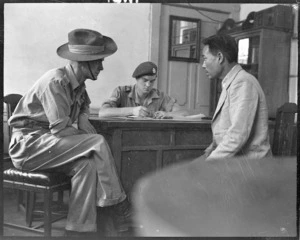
18	217
12	215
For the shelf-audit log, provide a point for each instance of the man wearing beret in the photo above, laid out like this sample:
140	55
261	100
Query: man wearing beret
141	99
44	137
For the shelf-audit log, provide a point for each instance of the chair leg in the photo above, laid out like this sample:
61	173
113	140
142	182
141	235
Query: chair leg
20	199
31	198
60	200
47	212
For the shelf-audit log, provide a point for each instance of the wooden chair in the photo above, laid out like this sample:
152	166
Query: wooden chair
11	101
32	183
285	132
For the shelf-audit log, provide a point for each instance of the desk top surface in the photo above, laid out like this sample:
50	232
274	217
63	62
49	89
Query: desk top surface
118	122
138	122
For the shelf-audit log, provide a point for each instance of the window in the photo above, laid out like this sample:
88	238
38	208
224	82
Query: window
248	54
184	39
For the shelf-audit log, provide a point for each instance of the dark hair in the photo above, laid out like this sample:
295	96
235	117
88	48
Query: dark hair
223	43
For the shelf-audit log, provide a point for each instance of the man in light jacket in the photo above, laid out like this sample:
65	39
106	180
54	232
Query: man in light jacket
240	121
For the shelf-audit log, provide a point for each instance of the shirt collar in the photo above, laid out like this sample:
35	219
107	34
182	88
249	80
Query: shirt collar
133	95
229	76
72	77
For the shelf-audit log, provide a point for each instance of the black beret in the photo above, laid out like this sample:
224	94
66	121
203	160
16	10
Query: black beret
145	68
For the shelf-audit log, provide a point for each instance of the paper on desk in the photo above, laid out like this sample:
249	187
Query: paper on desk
198	117
140	118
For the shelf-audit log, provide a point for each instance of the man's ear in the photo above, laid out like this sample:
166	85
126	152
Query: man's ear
221	57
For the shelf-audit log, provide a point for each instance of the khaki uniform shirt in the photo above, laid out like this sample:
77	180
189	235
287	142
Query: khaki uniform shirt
126	96
54	102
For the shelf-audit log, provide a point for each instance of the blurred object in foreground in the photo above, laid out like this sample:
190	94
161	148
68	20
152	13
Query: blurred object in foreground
229	198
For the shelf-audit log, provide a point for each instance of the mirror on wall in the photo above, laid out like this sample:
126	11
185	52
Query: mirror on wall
184	39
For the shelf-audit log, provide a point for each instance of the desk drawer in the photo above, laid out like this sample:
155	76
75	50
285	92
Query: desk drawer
136	164
193	137
146	137
179	156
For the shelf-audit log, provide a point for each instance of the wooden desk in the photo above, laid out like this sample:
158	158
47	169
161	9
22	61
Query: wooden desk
143	146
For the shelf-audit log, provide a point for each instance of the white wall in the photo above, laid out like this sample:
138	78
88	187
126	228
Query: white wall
33	32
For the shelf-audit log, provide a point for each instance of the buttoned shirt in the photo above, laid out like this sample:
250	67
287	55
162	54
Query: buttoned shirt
55	101
126	96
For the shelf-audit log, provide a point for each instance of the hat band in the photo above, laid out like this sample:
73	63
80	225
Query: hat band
85	49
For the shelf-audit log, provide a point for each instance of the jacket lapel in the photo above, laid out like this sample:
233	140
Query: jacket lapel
220	102
226	83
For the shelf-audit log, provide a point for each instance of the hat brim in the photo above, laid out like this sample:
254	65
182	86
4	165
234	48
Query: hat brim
110	47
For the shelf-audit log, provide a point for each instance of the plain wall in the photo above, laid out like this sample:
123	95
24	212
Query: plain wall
33	32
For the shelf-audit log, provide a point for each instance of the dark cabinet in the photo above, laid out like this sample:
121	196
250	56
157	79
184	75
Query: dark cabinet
265	53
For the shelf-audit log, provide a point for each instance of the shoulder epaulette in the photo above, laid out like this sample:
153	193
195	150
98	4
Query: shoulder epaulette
60	77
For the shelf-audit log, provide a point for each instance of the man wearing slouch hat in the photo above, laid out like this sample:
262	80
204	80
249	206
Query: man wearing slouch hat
44	138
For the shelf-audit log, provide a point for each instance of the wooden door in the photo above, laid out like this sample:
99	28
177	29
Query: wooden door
186	80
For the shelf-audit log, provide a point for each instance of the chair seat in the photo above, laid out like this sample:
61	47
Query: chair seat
46	179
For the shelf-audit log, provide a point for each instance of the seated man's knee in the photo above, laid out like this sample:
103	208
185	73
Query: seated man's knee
96	138
100	140
86	165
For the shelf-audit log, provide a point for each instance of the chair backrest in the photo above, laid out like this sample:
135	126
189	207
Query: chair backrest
11	101
285	133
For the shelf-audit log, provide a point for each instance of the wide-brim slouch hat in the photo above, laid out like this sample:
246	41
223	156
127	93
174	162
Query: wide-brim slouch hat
87	45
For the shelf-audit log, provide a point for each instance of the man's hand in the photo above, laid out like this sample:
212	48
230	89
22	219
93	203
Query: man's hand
68	131
207	152
141	111
85	125
161	115
209	149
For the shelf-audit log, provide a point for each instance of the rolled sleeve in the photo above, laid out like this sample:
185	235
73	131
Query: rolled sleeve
56	106
244	100
115	98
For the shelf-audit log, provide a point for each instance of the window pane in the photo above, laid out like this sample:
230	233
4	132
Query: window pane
243	51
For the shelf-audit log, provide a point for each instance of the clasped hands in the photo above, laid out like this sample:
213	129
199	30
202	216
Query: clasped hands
145	112
84	124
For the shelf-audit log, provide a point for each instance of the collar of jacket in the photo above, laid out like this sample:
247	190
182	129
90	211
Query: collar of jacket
230	76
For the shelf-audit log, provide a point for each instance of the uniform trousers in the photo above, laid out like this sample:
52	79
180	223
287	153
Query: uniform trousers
86	158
